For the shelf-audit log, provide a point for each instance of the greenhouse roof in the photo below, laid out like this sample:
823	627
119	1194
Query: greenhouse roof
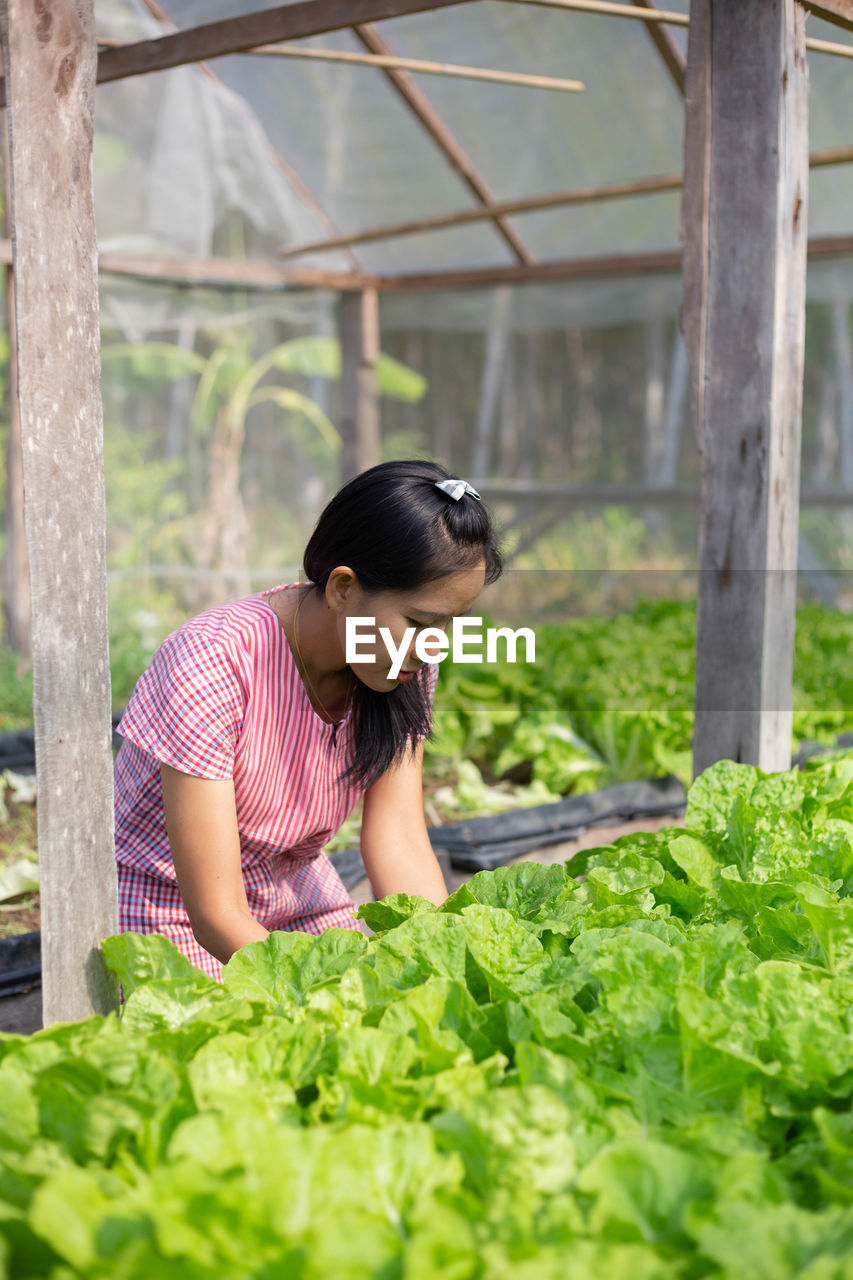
265	157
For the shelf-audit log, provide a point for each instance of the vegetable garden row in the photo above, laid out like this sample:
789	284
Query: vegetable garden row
611	700
644	1073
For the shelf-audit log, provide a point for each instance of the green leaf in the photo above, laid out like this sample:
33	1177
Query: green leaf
283	968
391	911
695	859
832	922
398	381
20	876
294	402
527	889
645	1191
137	958
155	360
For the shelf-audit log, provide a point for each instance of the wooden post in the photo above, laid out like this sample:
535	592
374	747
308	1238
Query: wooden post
494	358
50	59
358	323
653	418
16	570
744	230
675	393
844	369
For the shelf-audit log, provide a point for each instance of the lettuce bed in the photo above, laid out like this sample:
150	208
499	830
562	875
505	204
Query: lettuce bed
611	700
643	1075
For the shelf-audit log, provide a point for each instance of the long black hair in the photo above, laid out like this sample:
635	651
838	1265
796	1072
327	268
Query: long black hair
397	532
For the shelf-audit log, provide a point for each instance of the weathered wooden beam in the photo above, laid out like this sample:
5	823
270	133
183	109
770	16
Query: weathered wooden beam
669	51
745	270
529	204
625	264
358	327
50	59
838	12
230	273
234	273
445	140
315	17
16	569
498	338
497	209
622	264
844	378
267	26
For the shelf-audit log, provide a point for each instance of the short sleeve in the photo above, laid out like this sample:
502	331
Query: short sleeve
187	708
428	679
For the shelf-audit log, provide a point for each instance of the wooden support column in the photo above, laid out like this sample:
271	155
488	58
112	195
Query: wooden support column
16	569
50	62
844	368
744	231
358	324
491	380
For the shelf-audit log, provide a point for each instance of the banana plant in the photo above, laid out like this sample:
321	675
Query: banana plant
231	382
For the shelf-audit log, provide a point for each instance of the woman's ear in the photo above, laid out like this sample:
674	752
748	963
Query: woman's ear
342	588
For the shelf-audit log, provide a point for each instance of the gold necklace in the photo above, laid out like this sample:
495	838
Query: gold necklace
334	722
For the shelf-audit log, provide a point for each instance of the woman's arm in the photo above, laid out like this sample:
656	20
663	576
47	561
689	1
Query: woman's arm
201	819
395	846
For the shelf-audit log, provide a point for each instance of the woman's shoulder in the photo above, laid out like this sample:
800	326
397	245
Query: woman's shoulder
245	623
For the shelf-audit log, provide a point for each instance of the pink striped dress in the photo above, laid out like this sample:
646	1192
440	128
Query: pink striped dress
223	698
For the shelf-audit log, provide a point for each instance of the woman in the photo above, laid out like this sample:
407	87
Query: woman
249	739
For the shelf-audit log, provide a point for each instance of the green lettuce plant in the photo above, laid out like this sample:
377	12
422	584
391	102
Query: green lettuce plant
639	1064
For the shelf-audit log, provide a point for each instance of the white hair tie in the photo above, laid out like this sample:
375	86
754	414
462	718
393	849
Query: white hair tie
456	488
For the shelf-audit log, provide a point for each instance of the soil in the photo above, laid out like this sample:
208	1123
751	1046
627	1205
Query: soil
595	836
20	915
17	837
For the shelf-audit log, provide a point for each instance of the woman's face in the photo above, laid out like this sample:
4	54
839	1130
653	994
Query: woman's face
404	615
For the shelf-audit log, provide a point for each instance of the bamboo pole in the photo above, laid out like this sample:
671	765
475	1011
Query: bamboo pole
444	138
830	46
607	8
582	195
533	204
661	38
832	155
610	9
392	62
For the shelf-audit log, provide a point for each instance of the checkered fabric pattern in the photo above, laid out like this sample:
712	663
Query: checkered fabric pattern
223	698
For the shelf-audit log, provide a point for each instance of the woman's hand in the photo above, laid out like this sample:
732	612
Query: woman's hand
395	845
201	819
